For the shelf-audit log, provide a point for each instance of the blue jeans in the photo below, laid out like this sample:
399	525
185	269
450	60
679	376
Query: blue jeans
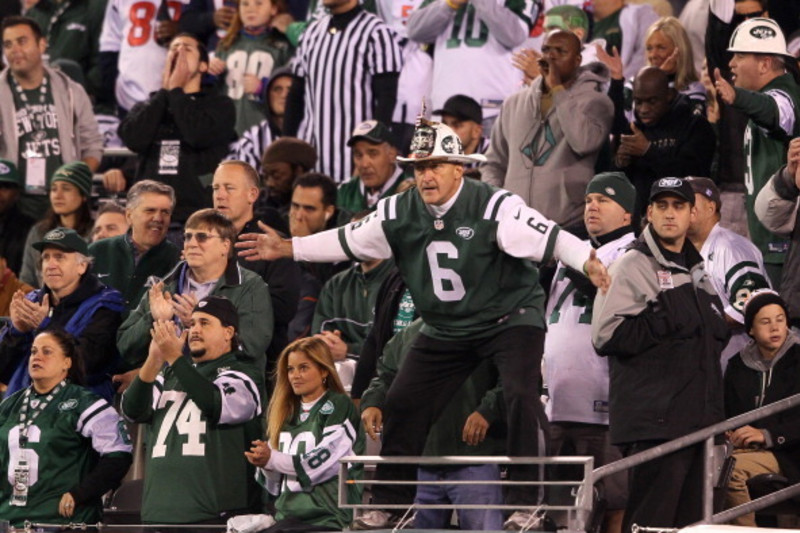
474	519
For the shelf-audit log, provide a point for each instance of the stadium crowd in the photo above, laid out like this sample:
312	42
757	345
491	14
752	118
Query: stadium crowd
240	239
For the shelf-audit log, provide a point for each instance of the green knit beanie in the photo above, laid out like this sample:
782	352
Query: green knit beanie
77	173
616	186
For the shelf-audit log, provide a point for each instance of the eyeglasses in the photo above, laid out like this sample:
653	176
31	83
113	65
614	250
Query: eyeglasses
200	236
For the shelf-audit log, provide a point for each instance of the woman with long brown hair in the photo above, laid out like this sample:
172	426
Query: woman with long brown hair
311	424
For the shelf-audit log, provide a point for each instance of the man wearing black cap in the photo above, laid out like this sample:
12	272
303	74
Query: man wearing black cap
14	225
765	371
661	325
376	175
72	299
202	415
465	117
734	264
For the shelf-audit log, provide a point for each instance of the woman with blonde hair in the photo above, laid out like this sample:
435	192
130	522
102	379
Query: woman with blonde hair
667	47
311	424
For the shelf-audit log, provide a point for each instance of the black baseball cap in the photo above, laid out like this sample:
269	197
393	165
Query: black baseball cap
372	131
706	187
221	308
462	107
675	186
63	238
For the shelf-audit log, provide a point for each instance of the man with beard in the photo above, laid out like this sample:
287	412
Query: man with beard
202	415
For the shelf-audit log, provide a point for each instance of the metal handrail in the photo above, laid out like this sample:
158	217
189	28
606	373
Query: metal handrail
577	514
706	434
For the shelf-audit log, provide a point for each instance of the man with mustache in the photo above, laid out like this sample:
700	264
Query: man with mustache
201	412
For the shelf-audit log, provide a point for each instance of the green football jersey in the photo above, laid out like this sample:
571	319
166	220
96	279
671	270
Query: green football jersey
765	153
196	467
64	443
464	285
316	440
258	56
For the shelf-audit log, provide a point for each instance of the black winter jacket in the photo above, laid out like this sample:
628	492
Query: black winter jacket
752	382
662	327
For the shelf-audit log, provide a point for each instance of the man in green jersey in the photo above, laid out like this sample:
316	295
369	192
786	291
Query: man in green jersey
203	414
466	251
770	97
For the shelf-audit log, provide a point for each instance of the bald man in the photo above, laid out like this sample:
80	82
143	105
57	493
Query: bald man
549	162
666	139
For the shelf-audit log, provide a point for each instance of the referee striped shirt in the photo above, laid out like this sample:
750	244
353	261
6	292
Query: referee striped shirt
338	66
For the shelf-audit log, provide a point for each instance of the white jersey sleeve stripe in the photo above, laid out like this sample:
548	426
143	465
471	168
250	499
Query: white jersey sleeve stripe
490	207
89	413
365	238
525	233
392	207
785	110
322	463
240	399
101	424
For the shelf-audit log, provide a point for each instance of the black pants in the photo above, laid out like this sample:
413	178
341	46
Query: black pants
665	492
431	374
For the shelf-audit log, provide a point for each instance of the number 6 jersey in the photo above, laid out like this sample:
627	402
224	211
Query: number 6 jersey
471	270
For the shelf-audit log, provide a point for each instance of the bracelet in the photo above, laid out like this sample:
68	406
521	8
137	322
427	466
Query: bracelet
451	5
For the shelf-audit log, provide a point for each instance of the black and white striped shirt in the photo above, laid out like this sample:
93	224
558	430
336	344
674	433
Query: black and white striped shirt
338	65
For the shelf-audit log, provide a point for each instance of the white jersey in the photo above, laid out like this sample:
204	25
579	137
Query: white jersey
576	377
469	59
416	77
129	29
736	268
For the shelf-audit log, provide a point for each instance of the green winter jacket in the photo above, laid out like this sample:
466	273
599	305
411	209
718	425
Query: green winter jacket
244	288
347	304
114	265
